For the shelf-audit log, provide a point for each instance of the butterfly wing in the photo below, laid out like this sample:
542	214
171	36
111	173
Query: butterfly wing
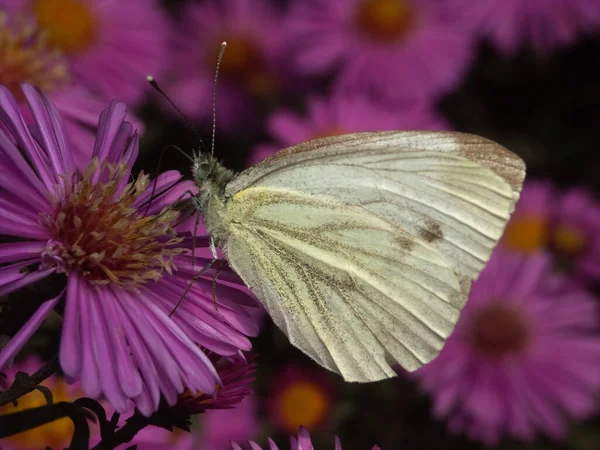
362	247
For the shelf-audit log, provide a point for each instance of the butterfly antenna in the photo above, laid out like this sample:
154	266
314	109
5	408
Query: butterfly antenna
214	96
150	79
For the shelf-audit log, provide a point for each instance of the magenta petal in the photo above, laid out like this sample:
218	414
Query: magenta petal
50	131
15	251
109	125
18	341
25	281
253	446
13	272
70	342
272	445
89	371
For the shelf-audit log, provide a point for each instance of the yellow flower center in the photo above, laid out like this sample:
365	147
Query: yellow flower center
385	20
243	63
71	24
55	434
499	330
568	241
26	57
99	234
526	234
302	403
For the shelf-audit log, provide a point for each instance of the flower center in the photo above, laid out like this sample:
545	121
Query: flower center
568	241
25	56
56	434
243	63
99	234
526	234
70	23
499	330
385	20
302	403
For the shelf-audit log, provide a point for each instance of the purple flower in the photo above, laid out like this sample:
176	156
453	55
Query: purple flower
341	114
524	357
302	443
125	264
541	24
29	58
567	224
396	49
111	45
249	67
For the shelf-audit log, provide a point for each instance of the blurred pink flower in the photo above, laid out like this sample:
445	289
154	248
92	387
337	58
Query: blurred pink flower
249	67
524	357
111	45
27	57
513	24
125	265
395	49
341	114
302	443
217	428
300	396
567	224
56	434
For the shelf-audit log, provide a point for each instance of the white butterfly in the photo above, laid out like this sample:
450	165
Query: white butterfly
363	247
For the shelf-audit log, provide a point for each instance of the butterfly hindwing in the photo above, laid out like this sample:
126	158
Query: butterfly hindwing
352	291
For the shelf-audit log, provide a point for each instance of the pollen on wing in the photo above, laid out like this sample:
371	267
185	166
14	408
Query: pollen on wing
99	234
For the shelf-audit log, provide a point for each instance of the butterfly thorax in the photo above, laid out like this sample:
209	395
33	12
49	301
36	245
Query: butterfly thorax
211	177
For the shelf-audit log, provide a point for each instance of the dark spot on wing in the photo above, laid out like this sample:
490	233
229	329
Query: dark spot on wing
431	232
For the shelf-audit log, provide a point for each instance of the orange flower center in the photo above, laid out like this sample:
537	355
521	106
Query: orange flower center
98	233
499	330
328	132
526	234
56	434
568	241
25	57
71	24
302	403
385	20
243	63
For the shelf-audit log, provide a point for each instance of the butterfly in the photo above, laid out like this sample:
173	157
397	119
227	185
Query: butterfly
363	247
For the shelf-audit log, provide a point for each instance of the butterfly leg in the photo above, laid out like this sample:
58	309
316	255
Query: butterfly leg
214	282
189	286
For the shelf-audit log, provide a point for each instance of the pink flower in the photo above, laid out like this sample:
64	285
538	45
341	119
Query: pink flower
396	49
29	58
111	45
541	24
566	224
341	114
249	67
524	357
125	265
302	443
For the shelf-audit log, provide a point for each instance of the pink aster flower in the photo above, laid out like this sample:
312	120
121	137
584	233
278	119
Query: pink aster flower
28	57
524	357
56	434
341	114
396	49
567	224
215	431
248	70
111	45
541	24
303	442
125	265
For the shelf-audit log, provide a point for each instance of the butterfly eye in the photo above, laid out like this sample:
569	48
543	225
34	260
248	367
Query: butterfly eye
203	170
